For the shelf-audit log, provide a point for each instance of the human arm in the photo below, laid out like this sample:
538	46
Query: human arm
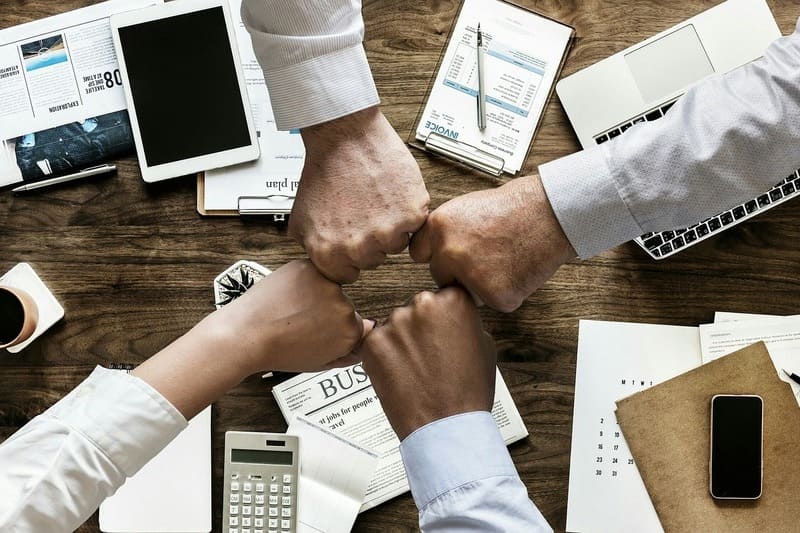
433	369
361	192
728	139
60	466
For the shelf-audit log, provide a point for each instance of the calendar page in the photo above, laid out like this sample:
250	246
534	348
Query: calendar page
615	360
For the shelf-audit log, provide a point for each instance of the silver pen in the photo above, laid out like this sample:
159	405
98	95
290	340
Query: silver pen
85	173
481	94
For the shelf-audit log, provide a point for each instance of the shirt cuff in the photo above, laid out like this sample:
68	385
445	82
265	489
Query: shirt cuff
587	203
453	451
321	89
127	419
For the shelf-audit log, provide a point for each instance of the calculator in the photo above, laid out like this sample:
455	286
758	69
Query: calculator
261	478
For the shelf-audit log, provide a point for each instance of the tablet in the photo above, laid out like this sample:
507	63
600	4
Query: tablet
184	87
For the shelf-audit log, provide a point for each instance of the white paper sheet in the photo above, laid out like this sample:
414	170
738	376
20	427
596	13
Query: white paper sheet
615	360
172	492
330	491
523	51
781	335
276	174
722	316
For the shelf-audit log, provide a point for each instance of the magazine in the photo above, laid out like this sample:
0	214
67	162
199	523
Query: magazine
344	401
62	107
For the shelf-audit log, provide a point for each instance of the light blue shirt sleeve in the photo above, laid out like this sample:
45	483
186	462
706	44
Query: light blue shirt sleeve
728	139
462	478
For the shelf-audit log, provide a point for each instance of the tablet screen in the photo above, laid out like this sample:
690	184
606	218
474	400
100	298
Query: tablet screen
184	87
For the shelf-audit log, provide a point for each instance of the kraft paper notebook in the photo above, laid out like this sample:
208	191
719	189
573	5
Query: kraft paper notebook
667	430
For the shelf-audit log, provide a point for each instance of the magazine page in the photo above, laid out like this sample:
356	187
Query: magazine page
344	401
62	107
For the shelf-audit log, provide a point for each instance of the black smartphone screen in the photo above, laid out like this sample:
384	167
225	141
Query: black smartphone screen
184	86
736	435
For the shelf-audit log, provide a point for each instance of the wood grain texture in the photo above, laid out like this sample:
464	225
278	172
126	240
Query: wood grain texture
133	263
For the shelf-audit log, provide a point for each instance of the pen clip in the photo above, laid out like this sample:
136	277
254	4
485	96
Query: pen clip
96	167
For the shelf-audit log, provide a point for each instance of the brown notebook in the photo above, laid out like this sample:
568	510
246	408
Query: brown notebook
667	429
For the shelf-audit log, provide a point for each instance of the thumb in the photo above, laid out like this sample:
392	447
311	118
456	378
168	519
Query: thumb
369	325
420	249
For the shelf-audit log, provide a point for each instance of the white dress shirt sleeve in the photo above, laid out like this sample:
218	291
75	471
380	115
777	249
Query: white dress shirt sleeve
462	478
727	140
313	58
60	466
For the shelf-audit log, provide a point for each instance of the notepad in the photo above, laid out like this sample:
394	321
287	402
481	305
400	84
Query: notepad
172	492
330	490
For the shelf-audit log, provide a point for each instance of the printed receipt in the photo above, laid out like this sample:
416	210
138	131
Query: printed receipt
522	55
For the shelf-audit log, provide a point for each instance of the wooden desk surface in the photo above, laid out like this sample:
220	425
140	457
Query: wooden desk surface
132	264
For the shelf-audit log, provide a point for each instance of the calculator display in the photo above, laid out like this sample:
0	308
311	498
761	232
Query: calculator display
262	457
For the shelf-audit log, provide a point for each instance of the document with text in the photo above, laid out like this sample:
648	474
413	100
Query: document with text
344	401
62	106
523	52
271	181
780	334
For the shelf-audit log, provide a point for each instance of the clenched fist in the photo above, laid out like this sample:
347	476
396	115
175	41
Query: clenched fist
431	360
500	244
361	194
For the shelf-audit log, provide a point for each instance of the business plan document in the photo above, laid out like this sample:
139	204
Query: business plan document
523	53
270	181
615	360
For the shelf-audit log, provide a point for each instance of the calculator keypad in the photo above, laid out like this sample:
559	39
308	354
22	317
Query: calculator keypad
265	507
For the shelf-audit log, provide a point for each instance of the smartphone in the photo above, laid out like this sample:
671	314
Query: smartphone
736	464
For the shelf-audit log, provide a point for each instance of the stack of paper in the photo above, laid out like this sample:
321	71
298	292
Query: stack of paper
615	360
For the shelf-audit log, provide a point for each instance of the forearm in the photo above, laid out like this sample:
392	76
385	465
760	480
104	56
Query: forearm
313	58
462	478
198	368
727	140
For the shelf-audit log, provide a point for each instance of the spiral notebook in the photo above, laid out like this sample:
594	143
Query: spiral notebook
171	493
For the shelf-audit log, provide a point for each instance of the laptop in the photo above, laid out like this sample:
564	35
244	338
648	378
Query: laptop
641	83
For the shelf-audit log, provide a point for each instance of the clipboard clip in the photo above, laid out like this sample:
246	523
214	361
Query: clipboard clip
279	206
464	153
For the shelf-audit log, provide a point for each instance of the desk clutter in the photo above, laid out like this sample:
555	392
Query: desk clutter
641	439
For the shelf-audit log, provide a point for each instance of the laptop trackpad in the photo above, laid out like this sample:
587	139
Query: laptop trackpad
669	64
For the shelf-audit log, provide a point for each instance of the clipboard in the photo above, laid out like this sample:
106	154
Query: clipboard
469	154
278	206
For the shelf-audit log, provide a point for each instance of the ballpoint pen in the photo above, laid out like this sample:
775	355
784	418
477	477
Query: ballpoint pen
794	377
86	173
481	95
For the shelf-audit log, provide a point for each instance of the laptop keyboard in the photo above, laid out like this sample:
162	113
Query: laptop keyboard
665	243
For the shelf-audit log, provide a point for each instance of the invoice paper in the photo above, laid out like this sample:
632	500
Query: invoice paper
276	174
330	492
523	52
615	360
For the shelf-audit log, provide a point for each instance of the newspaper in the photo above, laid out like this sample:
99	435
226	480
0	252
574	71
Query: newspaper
62	107
344	401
